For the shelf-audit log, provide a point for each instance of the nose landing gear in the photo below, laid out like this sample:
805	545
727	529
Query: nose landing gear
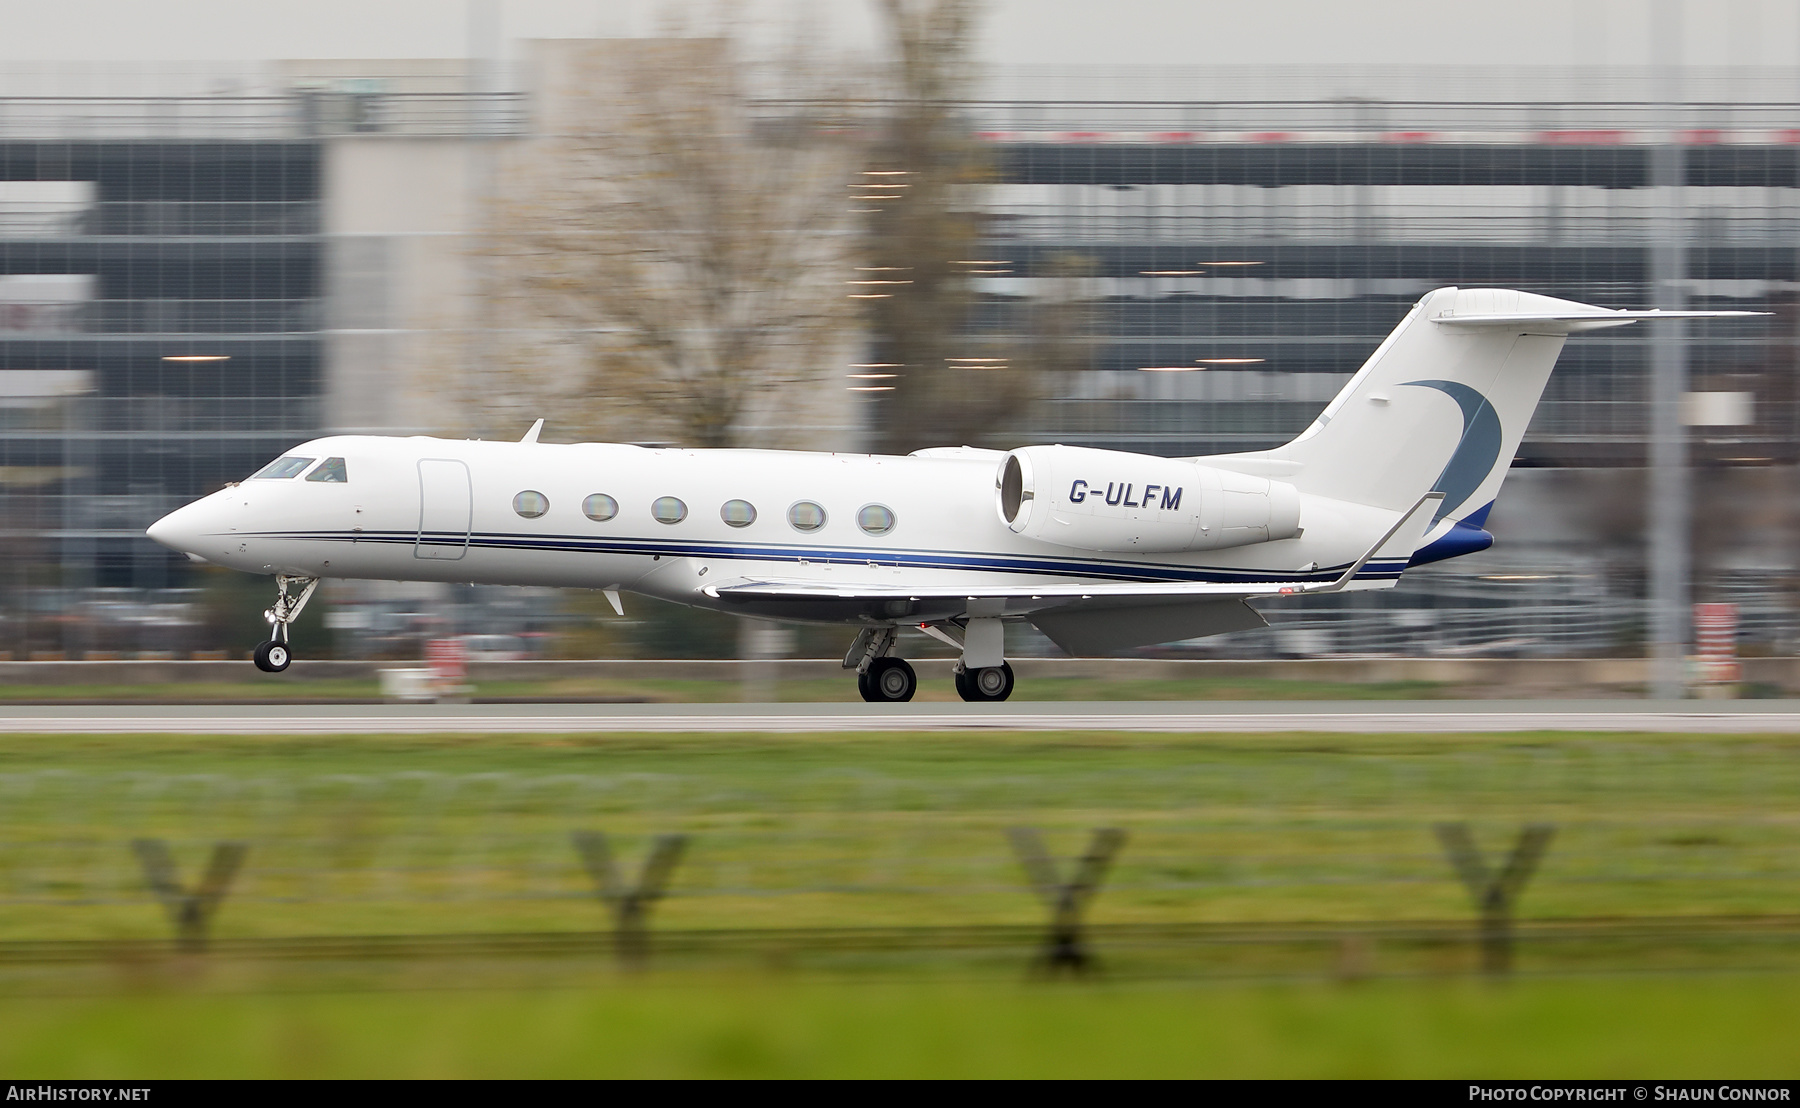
273	656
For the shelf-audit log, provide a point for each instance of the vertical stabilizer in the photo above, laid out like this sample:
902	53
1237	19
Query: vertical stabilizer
1435	408
1440	407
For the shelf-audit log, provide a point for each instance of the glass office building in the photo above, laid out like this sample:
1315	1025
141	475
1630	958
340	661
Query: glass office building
165	280
1248	241
1240	243
158	336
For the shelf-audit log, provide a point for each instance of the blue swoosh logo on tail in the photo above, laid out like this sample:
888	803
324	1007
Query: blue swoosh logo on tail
1475	455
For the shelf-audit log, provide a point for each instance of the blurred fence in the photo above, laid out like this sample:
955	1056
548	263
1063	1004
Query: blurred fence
1680	837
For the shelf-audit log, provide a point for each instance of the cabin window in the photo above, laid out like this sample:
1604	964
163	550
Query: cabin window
738	513
599	507
668	509
330	470
531	504
806	516
282	468
876	519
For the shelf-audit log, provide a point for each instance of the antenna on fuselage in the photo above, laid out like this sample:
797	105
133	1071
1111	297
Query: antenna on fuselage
531	435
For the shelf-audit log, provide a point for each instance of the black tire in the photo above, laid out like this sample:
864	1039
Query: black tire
272	656
891	681
961	680
994	683
863	686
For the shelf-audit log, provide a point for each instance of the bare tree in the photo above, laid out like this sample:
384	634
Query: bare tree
666	262
943	385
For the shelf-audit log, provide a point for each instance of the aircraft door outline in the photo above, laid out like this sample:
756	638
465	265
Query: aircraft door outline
446	509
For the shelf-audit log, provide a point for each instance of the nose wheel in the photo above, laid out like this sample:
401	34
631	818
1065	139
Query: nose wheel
272	657
992	683
291	595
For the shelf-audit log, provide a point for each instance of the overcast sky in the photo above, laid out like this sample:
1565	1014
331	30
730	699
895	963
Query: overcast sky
1052	32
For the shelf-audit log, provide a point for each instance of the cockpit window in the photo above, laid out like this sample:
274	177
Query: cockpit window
282	468
331	469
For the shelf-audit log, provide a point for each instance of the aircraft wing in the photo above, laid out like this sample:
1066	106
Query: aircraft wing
1083	617
1124	591
1397	544
1085	620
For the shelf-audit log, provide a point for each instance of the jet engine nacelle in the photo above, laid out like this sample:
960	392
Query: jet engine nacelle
1110	500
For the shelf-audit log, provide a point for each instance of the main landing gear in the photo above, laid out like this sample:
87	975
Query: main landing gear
889	679
273	656
880	677
989	683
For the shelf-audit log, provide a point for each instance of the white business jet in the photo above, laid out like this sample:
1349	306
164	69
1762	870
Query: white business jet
1101	550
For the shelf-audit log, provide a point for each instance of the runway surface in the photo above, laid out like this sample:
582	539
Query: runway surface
1756	716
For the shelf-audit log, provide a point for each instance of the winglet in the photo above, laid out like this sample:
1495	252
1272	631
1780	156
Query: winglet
1410	522
536	429
612	595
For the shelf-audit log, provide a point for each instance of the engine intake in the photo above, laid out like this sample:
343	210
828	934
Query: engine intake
1110	500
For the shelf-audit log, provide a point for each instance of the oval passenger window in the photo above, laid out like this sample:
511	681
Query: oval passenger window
876	519
806	516
531	504
738	513
599	507
668	509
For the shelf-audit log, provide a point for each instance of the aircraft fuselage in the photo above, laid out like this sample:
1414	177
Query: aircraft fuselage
674	522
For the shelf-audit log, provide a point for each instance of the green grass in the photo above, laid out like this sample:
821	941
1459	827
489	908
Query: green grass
1638	1029
362	834
227	692
454	833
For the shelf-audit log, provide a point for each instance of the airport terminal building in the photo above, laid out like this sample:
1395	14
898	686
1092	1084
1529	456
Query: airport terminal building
196	275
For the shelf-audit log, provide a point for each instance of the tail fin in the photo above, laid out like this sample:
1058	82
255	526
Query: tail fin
1442	404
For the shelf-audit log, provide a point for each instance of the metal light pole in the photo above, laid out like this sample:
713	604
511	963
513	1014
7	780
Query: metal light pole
482	124
1668	509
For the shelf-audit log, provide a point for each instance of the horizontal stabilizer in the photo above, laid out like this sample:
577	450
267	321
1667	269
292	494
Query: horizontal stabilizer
1564	323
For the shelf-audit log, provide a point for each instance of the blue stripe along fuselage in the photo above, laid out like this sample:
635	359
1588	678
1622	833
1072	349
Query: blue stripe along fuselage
912	559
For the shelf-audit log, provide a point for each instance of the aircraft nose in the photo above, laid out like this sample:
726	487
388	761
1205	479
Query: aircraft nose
179	530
